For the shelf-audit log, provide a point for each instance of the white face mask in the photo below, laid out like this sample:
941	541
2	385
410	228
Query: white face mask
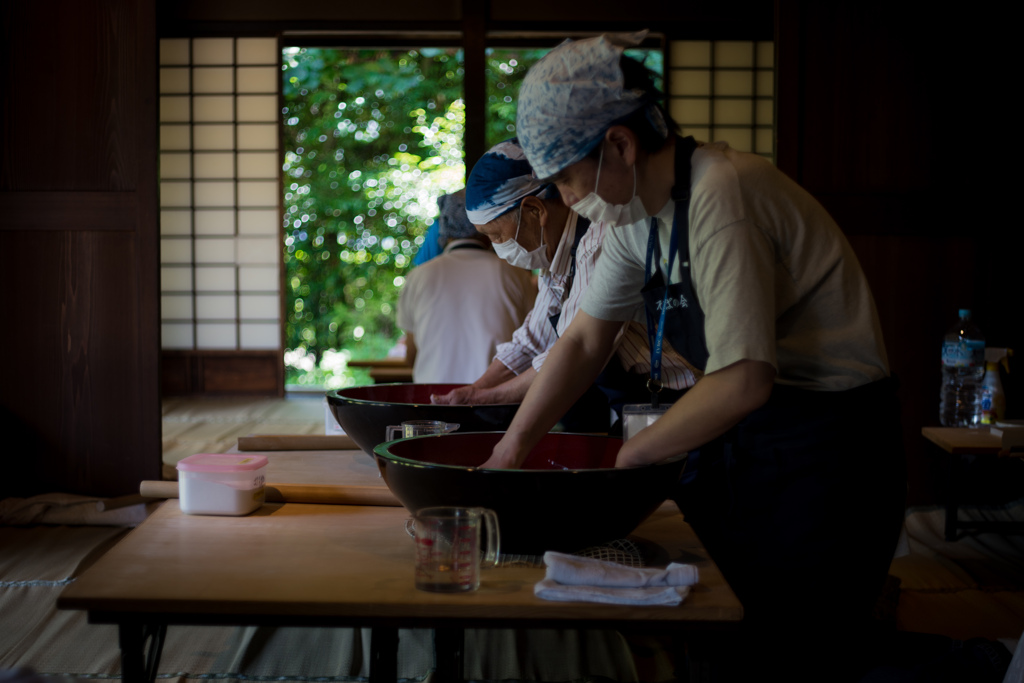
516	255
614	215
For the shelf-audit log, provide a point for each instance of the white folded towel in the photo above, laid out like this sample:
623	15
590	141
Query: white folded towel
573	570
569	577
652	595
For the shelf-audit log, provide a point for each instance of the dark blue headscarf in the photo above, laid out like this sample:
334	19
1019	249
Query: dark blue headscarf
499	180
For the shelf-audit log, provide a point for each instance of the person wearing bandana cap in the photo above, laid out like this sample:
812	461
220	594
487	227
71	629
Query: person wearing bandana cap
531	228
799	485
456	308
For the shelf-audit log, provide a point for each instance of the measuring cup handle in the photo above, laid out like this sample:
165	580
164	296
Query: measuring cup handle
493	550
391	432
451	427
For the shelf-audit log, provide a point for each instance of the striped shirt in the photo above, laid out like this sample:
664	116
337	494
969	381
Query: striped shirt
535	337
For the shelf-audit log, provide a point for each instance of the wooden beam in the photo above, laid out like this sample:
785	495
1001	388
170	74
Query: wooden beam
474	28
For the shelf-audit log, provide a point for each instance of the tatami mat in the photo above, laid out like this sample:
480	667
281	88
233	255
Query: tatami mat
213	424
969	588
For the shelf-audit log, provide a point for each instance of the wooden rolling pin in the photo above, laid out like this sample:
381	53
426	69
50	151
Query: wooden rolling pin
296	493
296	442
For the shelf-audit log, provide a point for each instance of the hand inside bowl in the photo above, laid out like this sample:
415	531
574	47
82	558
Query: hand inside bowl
467	395
508	454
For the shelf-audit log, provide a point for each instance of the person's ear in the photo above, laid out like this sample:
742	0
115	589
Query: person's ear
535	208
621	143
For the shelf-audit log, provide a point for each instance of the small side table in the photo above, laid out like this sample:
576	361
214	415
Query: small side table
960	442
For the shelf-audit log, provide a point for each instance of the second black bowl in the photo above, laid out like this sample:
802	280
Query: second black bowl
366	412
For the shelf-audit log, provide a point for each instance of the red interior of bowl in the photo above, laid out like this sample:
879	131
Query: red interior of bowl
554	452
397	393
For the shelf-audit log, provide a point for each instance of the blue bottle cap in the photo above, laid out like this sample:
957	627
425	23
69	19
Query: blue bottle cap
965	313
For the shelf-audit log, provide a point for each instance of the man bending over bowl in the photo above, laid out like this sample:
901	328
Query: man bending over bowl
531	228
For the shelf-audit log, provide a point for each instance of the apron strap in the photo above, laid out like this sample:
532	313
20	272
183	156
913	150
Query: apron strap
582	225
680	227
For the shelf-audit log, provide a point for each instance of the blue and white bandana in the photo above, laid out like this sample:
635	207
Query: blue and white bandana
498	181
571	96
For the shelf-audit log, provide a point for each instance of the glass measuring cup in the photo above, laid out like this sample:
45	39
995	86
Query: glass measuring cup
448	547
419	428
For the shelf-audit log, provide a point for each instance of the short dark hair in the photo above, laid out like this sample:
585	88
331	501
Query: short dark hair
636	76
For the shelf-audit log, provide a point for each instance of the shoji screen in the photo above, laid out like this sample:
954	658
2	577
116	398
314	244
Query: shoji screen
724	90
220	194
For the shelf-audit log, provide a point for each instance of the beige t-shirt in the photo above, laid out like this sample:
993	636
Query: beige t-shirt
459	306
774	275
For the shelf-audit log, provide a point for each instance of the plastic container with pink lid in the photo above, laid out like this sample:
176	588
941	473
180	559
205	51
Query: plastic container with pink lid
221	483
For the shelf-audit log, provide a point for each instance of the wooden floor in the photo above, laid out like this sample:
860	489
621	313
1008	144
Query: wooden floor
213	425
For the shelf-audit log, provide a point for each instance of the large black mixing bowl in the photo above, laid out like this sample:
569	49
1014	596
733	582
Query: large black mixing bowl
568	495
365	413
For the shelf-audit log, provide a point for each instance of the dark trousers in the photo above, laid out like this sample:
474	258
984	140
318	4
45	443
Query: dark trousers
801	506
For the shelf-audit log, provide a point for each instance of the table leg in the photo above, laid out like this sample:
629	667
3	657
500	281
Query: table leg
138	665
449	644
383	654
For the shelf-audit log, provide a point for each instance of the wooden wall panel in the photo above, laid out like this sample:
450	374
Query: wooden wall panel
735	19
680	19
78	247
76	378
318	12
186	373
73	116
882	113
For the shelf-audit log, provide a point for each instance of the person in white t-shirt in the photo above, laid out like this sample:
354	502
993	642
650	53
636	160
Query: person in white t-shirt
456	308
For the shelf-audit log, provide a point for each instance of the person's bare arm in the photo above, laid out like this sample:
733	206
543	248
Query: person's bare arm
716	403
511	389
573	363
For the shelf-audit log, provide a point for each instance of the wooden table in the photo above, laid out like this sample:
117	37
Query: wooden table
324	467
340	565
961	442
330	477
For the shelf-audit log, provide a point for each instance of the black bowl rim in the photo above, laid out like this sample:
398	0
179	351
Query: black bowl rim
334	396
380	451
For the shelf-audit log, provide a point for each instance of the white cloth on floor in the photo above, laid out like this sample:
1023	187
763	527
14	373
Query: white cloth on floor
69	509
569	577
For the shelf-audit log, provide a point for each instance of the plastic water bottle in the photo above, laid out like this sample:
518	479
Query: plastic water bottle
963	367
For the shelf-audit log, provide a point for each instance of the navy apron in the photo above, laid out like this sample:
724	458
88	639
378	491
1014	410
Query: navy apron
800	504
613	388
672	308
623	387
